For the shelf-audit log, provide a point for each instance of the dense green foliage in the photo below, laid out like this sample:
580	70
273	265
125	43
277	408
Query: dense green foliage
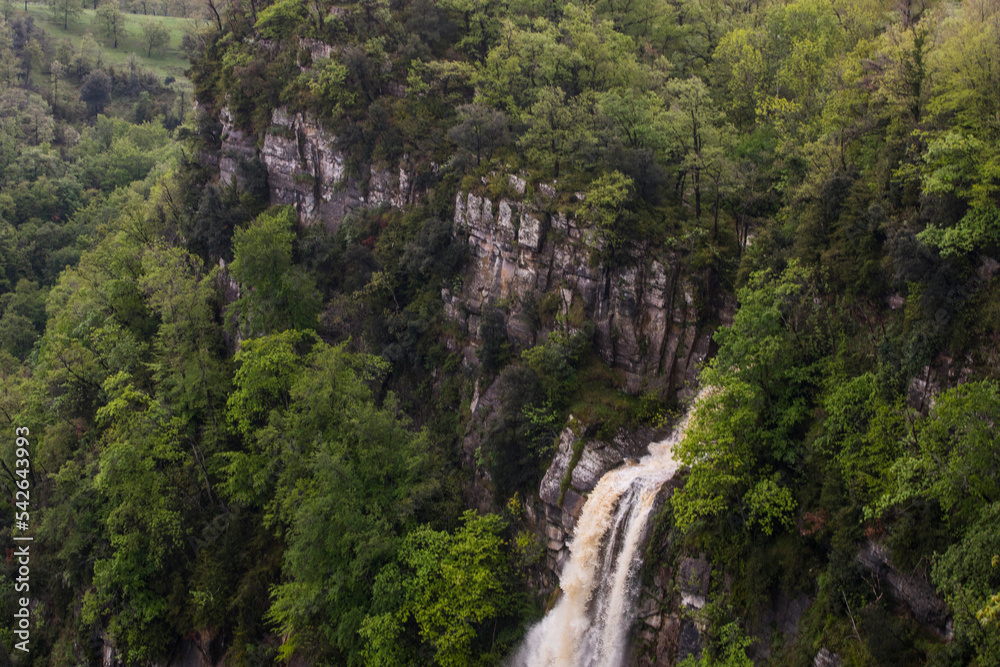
251	429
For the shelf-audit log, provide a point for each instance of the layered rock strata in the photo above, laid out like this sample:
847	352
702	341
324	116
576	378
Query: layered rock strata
307	170
651	318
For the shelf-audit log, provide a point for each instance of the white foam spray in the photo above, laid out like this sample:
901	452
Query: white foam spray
589	625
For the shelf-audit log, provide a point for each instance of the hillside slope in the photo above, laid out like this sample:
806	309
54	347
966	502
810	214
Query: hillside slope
409	258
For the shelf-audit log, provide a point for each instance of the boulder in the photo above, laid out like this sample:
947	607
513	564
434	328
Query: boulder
597	458
917	595
827	659
693	576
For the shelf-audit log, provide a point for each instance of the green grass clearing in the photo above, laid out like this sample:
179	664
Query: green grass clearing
172	61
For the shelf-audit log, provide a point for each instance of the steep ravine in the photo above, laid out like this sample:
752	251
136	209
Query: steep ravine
652	319
653	316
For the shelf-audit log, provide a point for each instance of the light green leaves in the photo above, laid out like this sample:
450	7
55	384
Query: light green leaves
267	368
744	438
275	295
605	205
718	448
341	477
559	130
139	480
449	584
955	460
281	19
968	577
966	166
326	80
729	652
770	505
864	434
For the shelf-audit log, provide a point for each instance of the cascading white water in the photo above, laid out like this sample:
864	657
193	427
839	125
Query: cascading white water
589	625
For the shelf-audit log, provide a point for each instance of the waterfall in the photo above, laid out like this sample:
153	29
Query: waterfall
589	625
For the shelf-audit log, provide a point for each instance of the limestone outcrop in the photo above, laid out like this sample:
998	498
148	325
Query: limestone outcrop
307	170
652	318
917	595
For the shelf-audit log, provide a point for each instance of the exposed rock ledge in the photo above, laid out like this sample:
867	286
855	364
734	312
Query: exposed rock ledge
306	170
918	596
652	318
565	485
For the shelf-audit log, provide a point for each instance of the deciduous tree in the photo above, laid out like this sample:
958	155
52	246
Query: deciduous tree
65	10
745	432
450	584
559	130
111	21
275	294
154	37
96	91
480	131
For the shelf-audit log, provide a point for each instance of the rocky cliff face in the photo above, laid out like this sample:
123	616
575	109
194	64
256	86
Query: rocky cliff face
305	169
917	595
652	318
566	483
664	630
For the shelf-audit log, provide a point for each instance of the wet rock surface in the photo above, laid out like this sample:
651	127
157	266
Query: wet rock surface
783	616
597	458
692	582
669	631
689	641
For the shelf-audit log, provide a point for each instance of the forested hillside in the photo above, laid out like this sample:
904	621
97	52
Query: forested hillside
299	334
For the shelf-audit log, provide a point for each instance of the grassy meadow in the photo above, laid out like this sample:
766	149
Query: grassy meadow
170	61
